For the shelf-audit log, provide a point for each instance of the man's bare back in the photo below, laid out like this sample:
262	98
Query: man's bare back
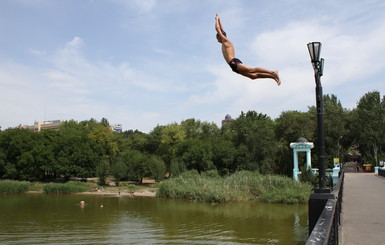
235	64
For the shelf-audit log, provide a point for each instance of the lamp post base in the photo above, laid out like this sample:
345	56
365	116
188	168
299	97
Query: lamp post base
317	202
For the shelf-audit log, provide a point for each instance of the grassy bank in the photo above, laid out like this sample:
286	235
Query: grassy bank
243	185
10	186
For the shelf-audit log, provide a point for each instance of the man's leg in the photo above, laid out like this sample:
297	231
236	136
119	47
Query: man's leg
257	72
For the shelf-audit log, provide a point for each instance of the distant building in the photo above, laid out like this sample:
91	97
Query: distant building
40	126
117	128
227	119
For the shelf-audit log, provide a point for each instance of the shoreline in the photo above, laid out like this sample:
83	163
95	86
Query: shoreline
148	192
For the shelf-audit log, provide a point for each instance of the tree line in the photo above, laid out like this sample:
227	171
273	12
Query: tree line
252	141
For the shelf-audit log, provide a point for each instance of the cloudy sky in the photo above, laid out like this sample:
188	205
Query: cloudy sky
141	63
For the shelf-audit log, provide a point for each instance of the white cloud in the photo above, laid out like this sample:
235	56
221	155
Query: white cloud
348	56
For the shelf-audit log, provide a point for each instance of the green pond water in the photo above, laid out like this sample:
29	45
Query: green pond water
59	219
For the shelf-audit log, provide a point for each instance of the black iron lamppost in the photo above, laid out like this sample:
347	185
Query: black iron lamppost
314	51
318	199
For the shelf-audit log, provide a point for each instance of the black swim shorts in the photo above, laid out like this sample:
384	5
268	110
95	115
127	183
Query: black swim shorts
234	64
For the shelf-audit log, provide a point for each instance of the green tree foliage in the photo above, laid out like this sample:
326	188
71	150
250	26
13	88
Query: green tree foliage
335	126
157	168
369	125
171	135
196	154
253	135
290	126
177	167
136	164
253	141
76	154
22	150
102	169
119	170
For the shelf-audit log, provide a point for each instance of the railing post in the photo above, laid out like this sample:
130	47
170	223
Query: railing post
325	230
317	202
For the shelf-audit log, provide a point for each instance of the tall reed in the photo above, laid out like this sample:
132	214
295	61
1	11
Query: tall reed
69	187
243	185
11	186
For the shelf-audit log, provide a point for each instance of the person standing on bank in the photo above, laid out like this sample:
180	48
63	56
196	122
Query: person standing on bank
235	64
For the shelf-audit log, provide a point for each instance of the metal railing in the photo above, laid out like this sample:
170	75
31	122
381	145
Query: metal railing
381	172
326	230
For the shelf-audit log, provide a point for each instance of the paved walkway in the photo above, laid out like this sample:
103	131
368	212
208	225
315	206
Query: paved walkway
363	209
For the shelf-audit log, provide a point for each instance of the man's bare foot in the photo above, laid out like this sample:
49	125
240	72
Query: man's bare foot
277	80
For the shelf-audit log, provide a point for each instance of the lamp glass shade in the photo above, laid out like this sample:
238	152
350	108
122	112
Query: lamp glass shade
314	51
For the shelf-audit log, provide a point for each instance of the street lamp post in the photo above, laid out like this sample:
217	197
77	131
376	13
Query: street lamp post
318	199
315	51
339	149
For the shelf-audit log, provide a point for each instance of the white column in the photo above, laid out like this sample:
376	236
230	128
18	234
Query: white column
295	169
308	158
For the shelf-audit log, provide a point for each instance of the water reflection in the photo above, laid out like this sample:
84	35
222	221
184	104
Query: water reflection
58	219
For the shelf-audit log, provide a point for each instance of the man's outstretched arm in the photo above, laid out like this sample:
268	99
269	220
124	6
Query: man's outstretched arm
219	28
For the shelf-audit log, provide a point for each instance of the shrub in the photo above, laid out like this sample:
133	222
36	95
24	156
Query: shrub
211	174
308	176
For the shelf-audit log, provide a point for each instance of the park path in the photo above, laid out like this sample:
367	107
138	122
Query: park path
363	209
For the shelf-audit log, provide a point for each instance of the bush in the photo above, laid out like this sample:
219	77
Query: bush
211	174
129	186
307	176
11	186
69	187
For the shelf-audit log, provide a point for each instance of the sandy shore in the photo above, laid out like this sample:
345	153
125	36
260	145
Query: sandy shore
141	193
145	192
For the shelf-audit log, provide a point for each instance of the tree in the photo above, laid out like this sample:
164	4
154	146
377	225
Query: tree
17	145
177	166
196	154
290	126
157	168
223	155
136	164
75	152
2	161
47	153
102	140
102	169
119	170
335	126
253	135
369	125
170	137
